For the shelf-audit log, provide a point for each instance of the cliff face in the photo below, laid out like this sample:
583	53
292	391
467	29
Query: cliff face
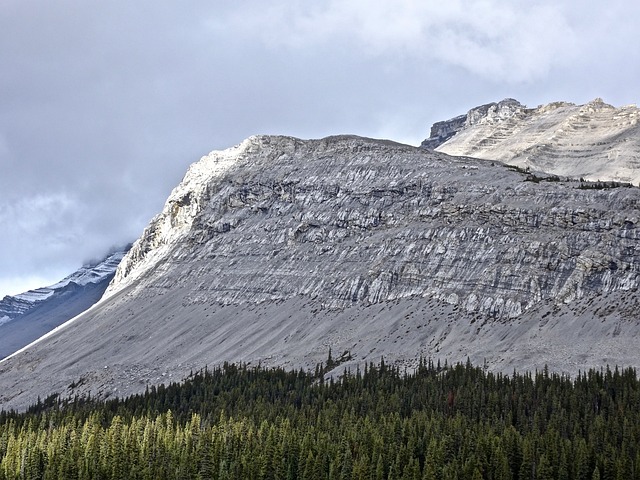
441	132
594	141
277	249
346	220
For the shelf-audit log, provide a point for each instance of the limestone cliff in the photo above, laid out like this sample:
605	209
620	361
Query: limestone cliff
594	141
442	131
345	220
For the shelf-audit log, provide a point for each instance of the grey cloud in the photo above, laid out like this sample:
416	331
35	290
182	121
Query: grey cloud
514	41
105	104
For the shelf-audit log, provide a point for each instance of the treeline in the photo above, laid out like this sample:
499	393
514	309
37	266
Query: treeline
599	185
239	422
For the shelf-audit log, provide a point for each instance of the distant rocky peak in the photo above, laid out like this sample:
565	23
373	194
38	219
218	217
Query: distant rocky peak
596	105
594	141
549	107
493	112
93	272
443	131
490	112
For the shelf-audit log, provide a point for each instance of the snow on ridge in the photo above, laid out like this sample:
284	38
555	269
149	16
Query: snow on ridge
36	295
23	302
92	273
48	334
182	206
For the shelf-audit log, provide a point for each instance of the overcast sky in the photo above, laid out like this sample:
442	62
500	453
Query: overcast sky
104	104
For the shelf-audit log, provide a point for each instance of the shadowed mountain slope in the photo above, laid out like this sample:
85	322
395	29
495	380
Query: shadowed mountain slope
29	315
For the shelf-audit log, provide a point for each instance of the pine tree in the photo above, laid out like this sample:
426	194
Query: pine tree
596	474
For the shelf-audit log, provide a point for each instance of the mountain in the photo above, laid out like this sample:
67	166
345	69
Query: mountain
279	249
594	141
27	316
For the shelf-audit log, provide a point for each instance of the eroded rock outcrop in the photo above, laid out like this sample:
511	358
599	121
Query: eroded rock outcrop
345	220
447	129
595	141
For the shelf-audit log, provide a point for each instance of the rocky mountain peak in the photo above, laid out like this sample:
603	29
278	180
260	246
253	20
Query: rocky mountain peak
490	112
596	105
278	249
493	112
594	141
264	212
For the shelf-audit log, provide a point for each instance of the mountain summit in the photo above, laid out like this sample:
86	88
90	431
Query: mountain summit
279	249
595	141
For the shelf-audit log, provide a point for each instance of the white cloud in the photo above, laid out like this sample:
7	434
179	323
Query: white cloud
37	214
111	101
496	39
39	234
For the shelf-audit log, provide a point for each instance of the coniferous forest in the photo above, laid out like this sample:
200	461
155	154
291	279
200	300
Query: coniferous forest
240	422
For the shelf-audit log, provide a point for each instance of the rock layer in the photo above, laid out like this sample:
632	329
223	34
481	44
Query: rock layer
346	220
594	141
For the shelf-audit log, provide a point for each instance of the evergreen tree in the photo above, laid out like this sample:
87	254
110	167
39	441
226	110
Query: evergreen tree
239	422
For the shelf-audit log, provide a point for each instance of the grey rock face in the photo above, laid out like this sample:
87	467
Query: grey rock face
494	112
277	249
441	132
594	141
346	220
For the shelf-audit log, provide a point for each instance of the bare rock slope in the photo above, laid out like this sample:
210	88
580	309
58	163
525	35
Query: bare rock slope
595	141
278	249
